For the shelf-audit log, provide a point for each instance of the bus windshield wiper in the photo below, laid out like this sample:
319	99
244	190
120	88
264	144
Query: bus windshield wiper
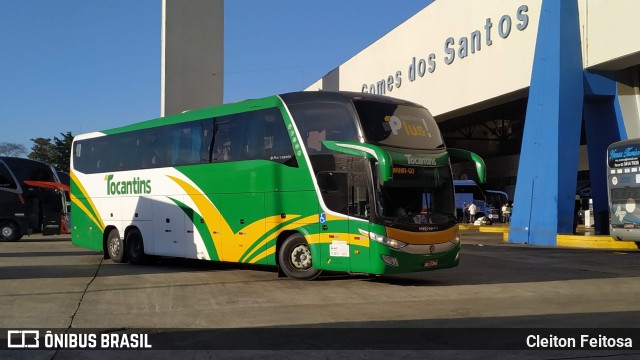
395	220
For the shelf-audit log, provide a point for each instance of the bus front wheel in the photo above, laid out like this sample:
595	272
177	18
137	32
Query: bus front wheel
135	247
294	258
115	247
9	231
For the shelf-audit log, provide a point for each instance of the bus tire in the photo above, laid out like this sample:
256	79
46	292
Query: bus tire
294	258
9	231
135	247
115	247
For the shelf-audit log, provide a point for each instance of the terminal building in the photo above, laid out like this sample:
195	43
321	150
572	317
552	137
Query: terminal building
538	88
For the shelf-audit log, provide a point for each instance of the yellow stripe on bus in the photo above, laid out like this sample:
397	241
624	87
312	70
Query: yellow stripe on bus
271	222
422	238
86	211
209	212
271	250
99	222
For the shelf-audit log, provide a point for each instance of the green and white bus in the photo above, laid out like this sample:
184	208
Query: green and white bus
305	181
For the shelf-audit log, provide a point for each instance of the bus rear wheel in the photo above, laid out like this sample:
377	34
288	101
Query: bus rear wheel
294	258
9	231
135	247
115	247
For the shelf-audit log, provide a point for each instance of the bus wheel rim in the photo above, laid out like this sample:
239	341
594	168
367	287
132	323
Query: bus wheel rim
301	257
7	231
114	246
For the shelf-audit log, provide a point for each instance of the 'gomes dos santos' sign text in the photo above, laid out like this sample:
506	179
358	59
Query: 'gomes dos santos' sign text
465	46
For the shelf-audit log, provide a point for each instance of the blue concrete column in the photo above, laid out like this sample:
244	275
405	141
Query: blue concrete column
546	184
603	125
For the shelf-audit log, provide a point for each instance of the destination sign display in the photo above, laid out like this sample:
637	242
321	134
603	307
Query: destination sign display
624	156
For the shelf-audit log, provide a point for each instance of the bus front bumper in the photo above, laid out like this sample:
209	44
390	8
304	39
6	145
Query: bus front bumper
416	258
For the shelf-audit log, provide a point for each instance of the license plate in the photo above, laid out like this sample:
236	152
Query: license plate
430	263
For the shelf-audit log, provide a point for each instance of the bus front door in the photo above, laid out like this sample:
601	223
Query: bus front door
359	210
346	230
51	211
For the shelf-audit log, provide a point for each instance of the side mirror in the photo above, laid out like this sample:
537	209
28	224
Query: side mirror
369	151
481	168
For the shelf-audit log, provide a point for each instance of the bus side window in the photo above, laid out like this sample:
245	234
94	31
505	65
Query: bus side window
253	146
315	139
207	134
6	180
150	145
276	140
186	143
224	139
124	152
358	190
195	142
324	121
334	188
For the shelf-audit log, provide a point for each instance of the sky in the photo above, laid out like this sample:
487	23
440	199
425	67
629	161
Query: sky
90	65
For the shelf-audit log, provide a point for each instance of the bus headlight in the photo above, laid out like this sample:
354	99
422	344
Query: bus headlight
456	240
393	243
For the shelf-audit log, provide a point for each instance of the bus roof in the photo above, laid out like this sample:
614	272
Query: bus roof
16	161
248	105
27	169
624	142
312	96
190	115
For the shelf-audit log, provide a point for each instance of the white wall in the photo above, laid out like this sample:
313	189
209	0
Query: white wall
610	33
491	71
610	41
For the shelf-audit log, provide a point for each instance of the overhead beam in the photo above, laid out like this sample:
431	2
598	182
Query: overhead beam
192	55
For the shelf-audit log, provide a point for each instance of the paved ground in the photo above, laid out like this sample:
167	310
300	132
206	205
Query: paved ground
47	283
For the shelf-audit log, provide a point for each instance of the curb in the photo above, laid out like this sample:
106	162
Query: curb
568	241
594	242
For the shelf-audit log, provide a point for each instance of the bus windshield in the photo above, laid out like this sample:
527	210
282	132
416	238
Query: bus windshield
398	125
418	195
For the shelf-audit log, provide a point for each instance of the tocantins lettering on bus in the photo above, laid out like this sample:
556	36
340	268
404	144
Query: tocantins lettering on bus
411	160
134	186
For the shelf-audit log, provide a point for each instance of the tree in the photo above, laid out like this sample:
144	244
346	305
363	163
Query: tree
11	149
56	152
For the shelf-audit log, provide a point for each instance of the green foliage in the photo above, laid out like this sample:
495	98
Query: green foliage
56	152
12	149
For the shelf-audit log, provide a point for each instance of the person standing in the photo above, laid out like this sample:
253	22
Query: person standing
503	210
507	213
472	212
465	209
